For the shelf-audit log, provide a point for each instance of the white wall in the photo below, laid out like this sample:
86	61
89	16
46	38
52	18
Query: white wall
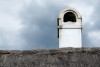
70	38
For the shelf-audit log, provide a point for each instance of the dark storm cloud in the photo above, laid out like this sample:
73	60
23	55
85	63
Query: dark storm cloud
40	26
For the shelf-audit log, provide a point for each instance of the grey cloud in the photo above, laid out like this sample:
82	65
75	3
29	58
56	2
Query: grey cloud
40	26
92	28
45	20
96	17
85	38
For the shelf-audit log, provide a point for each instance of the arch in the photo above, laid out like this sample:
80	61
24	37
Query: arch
75	16
69	16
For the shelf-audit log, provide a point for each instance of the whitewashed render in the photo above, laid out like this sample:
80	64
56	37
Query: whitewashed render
70	28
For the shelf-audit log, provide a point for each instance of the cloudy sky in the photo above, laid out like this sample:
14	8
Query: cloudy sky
31	24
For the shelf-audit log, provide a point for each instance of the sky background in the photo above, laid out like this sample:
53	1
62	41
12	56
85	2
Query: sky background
32	24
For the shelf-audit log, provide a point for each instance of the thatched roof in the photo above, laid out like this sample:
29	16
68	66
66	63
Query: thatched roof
66	57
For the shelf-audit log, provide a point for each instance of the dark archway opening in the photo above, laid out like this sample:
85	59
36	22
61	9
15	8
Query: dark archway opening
69	16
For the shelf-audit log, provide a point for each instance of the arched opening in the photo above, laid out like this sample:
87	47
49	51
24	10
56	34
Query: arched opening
69	16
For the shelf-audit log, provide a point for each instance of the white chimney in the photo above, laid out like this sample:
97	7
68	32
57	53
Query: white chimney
70	28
